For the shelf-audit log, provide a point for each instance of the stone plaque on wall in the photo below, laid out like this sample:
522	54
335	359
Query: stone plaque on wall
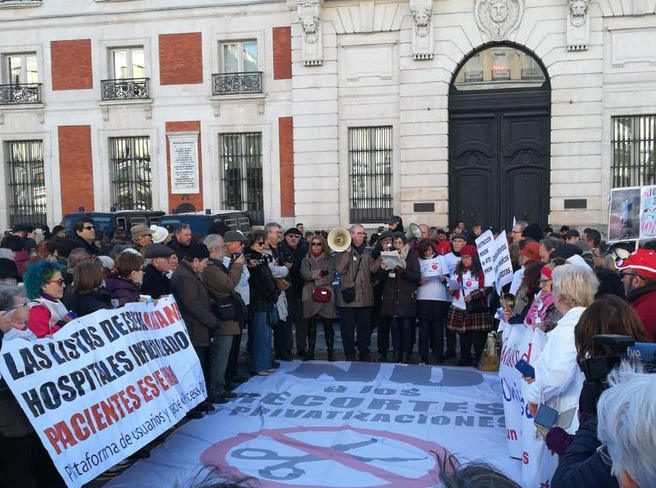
183	151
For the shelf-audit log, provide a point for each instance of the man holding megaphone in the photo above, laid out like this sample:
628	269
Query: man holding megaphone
355	266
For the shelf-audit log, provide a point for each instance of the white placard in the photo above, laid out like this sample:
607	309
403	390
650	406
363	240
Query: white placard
486	246
648	212
105	385
431	268
183	151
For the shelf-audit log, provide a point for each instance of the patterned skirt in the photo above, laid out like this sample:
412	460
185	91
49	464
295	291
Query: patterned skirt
459	320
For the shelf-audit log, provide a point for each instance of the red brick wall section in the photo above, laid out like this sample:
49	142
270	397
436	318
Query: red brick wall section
286	148
75	168
71	65
282	53
196	199
181	58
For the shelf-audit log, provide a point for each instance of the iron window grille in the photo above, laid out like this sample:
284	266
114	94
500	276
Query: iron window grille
634	150
241	170
20	93
500	75
370	173
125	89
473	76
27	185
131	175
237	83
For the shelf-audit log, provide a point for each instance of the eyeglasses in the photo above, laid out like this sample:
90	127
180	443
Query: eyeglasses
294	236
626	273
88	227
60	281
603	454
259	243
316	244
543	281
20	305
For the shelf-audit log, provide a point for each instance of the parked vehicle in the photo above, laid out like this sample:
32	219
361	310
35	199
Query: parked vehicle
108	221
200	222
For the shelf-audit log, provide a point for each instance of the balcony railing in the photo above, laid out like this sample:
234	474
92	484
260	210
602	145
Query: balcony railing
237	83
126	89
500	75
532	74
473	76
19	93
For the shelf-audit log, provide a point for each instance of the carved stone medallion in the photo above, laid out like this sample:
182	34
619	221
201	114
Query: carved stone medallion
497	18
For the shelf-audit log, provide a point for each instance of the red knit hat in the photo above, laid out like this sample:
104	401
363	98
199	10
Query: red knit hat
531	251
546	272
468	250
642	261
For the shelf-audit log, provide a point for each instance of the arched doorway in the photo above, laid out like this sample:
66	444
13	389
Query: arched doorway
499	138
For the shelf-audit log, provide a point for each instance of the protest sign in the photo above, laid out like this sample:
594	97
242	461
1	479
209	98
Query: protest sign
486	246
105	385
495	259
431	268
648	212
623	215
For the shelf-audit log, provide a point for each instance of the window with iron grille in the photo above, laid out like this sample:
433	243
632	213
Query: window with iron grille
129	158
634	150
241	170
370	173
27	185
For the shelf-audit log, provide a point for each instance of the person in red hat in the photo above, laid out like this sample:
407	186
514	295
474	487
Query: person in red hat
469	313
638	273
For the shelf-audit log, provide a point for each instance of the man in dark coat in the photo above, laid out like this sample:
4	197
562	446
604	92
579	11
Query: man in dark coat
85	235
293	251
155	281
194	304
181	242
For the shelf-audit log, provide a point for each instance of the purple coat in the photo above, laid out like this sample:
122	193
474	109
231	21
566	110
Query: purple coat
122	290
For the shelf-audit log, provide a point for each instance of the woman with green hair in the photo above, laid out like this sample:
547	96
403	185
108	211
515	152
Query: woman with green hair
44	286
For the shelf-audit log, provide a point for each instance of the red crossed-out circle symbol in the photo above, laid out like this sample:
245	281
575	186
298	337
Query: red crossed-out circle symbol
234	458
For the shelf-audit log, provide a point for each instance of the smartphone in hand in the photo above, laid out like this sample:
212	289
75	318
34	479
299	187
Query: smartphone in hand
546	417
526	369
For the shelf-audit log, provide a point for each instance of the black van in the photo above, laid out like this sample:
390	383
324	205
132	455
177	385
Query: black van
200	222
108	221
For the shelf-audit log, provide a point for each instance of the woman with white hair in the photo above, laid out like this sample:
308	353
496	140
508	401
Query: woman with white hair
626	419
558	379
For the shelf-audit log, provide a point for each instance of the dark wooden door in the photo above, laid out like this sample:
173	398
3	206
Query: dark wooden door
499	159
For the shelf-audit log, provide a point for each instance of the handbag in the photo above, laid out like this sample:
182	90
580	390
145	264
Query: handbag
282	284
321	294
477	306
226	308
348	293
490	357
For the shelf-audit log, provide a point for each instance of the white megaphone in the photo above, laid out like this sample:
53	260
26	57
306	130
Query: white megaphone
339	239
414	232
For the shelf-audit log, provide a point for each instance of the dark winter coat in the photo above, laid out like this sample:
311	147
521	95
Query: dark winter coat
155	283
296	257
87	303
79	242
181	250
122	290
400	292
580	465
346	264
264	292
194	304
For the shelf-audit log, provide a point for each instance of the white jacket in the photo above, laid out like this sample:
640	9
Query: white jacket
558	379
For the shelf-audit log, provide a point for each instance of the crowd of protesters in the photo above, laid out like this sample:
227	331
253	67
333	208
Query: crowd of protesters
279	286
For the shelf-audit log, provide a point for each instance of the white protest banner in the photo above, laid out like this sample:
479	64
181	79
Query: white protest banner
105	385
342	424
431	268
516	345
502	265
648	212
486	246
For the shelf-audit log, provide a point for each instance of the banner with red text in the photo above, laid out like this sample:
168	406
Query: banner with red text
106	385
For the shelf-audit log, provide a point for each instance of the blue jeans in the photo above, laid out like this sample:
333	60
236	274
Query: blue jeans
219	355
259	341
402	330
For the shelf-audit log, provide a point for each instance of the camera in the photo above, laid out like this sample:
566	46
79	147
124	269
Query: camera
596	369
254	261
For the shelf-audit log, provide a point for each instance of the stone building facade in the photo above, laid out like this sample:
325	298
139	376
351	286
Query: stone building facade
327	112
